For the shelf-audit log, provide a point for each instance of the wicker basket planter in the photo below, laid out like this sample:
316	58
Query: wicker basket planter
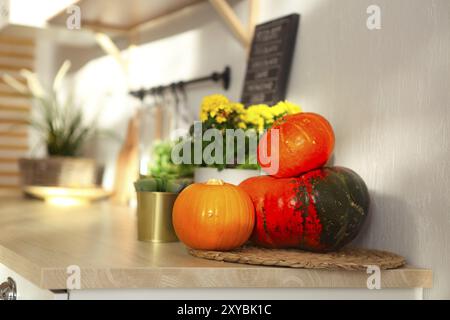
60	172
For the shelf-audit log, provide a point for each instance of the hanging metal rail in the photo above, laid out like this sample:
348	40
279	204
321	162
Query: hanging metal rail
224	77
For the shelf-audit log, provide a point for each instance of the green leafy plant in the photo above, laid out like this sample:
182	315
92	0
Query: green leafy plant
165	176
62	127
61	124
163	166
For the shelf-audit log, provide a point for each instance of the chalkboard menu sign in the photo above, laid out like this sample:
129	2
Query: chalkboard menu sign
270	61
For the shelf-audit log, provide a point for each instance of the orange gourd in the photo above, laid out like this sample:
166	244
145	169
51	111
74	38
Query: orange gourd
213	216
306	142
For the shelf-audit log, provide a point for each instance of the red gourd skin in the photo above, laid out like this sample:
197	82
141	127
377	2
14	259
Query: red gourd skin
306	142
319	211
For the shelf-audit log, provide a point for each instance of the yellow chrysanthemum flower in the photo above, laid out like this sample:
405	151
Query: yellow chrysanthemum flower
215	100
287	107
258	116
212	103
262	116
239	107
242	125
221	119
221	110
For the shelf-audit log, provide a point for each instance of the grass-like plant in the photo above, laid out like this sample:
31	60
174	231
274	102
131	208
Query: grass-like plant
61	124
63	127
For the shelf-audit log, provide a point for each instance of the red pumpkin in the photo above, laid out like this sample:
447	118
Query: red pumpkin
306	142
321	210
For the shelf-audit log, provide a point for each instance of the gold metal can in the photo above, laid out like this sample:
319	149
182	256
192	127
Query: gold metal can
154	216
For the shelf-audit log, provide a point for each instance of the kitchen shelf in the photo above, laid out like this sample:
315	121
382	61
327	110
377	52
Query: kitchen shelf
118	16
127	21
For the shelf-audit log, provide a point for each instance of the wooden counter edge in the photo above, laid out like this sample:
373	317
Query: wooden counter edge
206	277
252	277
21	266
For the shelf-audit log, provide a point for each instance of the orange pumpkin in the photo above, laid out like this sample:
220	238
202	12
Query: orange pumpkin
306	142
213	216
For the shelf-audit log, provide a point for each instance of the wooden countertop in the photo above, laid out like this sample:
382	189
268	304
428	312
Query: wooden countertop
39	242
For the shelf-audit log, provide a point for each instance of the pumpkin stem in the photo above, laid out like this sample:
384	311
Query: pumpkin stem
215	182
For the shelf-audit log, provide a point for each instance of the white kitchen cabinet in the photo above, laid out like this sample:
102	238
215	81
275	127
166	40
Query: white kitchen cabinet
25	290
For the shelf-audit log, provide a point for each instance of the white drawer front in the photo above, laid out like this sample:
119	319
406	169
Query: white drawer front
25	289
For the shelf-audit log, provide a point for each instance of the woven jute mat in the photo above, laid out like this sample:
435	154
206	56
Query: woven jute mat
345	259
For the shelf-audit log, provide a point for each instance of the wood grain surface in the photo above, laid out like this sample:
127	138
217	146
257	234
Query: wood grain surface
40	241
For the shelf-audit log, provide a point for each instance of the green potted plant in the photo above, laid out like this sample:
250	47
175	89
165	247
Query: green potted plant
62	127
156	197
156	194
217	112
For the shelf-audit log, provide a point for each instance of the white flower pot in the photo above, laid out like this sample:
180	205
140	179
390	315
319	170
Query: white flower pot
233	176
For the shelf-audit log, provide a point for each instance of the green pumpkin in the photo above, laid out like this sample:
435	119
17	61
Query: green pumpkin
321	210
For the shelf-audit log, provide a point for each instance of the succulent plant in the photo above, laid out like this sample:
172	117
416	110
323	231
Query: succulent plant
161	184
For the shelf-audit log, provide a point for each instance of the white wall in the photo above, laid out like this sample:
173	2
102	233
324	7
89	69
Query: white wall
203	48
387	95
386	92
